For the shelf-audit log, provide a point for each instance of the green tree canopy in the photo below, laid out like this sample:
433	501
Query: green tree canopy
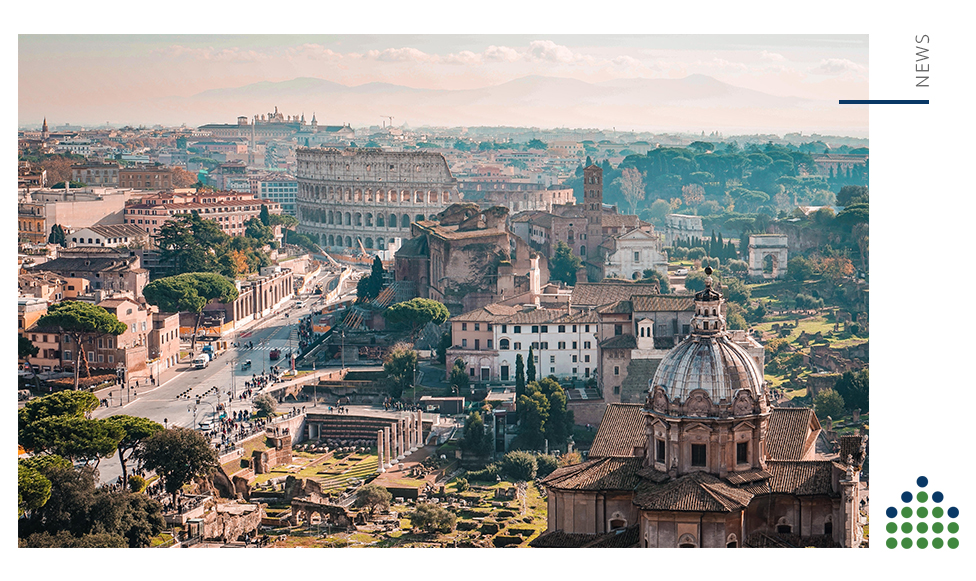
265	215
33	489
431	518
399	365
853	387
519	376
476	438
519	465
564	264
828	403
416	313
459	377
652	276
76	319
530	368
135	430
372	497
190	293
75	438
265	403
178	455
190	243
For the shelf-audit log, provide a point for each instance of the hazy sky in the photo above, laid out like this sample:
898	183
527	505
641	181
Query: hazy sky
77	78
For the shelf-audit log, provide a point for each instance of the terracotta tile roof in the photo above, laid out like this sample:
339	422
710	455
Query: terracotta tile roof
789	433
626	538
653	475
637	383
559	539
697	492
748	476
617	307
653	303
593	294
801	477
620	342
598	474
614	219
621	430
850	445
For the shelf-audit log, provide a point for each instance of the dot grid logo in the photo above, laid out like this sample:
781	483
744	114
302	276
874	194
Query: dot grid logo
924	522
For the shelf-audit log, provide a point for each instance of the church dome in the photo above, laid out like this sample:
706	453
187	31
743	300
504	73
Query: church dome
710	363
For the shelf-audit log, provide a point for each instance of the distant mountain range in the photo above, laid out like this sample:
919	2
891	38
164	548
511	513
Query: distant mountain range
694	103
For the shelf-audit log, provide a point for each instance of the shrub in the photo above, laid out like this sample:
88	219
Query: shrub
431	518
461	484
137	483
697	253
519	465
546	463
488	473
265	404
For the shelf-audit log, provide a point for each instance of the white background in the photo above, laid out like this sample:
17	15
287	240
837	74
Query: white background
921	267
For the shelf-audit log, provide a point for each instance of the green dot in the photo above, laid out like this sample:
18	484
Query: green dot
922	512
906	512
891	527
892	543
906	527
906	543
922	543
936	543
922	496
937	527
922	527
953	527
953	543
937	512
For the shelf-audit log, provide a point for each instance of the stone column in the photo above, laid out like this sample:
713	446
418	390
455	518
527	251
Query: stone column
401	424
394	443
386	447
414	438
420	427
379	451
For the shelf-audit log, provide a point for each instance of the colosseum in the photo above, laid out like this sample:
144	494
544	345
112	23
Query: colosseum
368	195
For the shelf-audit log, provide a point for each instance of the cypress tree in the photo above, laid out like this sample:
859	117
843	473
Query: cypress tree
530	371
519	376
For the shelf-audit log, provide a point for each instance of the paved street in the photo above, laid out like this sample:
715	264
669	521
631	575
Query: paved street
164	404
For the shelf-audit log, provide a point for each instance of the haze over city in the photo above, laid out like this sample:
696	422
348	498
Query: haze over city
693	83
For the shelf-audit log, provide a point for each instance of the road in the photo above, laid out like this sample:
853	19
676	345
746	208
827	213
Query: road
218	383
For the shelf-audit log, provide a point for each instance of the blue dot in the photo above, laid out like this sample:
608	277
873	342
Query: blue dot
937	496
953	512
922	482
906	496
892	512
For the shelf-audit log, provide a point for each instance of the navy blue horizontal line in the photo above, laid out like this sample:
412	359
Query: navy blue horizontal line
884	101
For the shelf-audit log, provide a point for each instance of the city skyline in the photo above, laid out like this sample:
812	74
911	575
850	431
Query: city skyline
731	83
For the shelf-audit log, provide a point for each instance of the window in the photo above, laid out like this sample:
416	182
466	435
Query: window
586	371
464	342
586	344
575	371
489	343
535	328
618	330
636	256
545	344
471	371
477	326
574	328
504	372
660	451
111	359
477	343
503	344
616	370
742	453
66	355
562	328
464	326
574	344
504	328
535	344
552	370
517	347
698	455
516	329
562	344
586	359
587	328
545	328
552	359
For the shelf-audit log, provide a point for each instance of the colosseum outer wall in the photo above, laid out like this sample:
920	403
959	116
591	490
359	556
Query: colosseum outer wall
368	195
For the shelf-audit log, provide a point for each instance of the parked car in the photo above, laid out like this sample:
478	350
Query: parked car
205	426
274	354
